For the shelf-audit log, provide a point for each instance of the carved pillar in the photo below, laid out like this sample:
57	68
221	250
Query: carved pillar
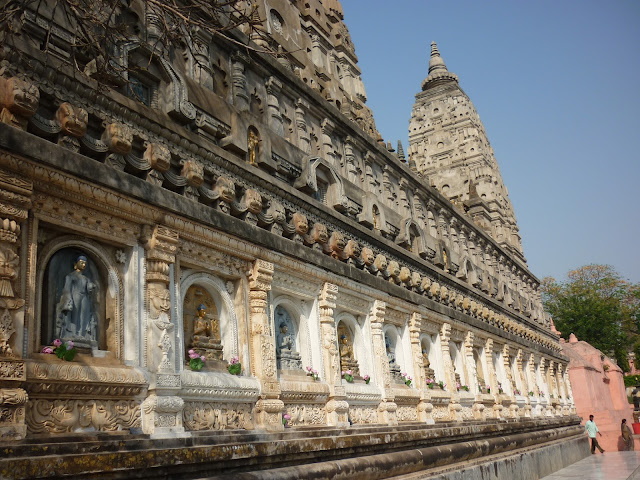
491	372
350	161
533	384
506	361
449	372
201	70
470	363
15	201
239	82
424	407
337	406
162	409
387	407
274	86
304	142
327	144
269	407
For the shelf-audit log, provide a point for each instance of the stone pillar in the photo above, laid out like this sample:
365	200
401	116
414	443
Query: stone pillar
162	409
15	201
269	407
350	161
387	407
239	81
470	363
449	372
304	142
424	407
327	143
274	86
202	72
533	383
337	406
506	361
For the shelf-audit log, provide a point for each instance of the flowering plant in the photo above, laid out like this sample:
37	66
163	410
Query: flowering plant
431	383
64	351
500	390
406	379
196	361
285	419
367	379
531	394
463	387
313	373
516	391
234	367
488	388
348	375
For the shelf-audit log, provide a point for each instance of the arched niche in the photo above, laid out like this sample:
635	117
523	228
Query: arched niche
393	347
167	88
457	360
85	306
467	272
214	288
411	237
350	343
320	178
286	309
372	215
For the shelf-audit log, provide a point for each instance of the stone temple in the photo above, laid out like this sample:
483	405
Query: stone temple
360	314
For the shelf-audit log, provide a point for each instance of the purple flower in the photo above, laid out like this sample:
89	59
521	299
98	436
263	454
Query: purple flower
366	377
69	344
57	342
286	416
190	351
47	350
234	360
203	358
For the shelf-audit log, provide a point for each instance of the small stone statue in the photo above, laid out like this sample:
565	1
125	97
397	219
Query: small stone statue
285	342
75	313
347	357
394	368
206	335
287	358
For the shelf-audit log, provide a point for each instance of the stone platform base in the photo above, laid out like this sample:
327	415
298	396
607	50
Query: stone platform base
374	452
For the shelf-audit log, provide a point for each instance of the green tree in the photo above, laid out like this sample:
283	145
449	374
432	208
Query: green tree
598	306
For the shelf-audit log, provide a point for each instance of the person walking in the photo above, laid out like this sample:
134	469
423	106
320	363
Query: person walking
627	436
591	429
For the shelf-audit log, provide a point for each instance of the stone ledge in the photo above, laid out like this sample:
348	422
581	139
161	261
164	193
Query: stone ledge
234	451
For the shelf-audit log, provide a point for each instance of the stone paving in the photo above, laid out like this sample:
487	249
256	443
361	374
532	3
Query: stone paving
607	466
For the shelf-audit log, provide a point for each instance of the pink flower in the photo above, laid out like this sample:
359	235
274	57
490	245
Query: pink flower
203	358
190	351
349	372
234	360
57	342
286	416
47	350
193	354
366	377
69	344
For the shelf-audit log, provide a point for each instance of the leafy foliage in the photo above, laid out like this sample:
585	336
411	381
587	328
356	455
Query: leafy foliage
599	307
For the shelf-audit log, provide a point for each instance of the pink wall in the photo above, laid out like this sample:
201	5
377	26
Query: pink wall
598	392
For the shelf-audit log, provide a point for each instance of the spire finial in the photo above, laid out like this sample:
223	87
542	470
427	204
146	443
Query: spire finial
438	72
401	156
436	63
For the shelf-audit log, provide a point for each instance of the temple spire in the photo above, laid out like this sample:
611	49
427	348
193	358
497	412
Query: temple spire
438	72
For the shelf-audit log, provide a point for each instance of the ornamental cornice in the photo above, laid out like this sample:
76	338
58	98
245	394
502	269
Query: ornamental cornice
73	372
215	386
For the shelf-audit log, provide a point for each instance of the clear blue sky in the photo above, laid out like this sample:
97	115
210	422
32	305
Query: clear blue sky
557	86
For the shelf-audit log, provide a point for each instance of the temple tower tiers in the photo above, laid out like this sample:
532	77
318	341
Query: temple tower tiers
449	146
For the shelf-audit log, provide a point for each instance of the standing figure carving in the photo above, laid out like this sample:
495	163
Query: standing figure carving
76	316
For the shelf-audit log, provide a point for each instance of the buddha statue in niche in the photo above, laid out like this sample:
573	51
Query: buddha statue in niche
426	365
347	357
76	312
394	368
202	326
287	357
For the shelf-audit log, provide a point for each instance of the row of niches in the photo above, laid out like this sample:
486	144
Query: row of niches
123	149
82	298
456	253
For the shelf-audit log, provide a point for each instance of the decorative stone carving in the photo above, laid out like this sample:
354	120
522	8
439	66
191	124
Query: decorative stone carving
202	324
76	315
287	356
19	99
347	357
